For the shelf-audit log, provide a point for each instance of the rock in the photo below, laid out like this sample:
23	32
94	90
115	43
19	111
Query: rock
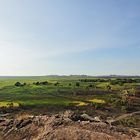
2	120
4	115
86	117
57	116
76	117
23	123
68	114
97	119
85	122
62	127
57	122
74	133
18	123
67	120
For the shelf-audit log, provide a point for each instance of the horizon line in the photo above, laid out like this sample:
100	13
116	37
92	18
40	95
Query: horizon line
111	75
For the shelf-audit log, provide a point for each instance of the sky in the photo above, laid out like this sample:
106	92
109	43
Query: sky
92	37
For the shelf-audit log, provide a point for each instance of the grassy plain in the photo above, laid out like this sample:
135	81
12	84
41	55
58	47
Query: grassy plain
65	94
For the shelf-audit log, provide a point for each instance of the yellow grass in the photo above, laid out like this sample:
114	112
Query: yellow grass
8	104
80	103
97	101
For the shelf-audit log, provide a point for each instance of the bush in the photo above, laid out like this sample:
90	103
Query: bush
90	85
24	84
37	83
18	84
44	83
108	87
77	84
56	84
41	83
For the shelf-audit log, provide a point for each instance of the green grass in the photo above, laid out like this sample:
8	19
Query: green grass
50	94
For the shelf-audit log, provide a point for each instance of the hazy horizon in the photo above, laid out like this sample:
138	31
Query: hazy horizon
69	37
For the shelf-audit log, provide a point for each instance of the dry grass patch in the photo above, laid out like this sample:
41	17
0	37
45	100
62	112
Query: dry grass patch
97	101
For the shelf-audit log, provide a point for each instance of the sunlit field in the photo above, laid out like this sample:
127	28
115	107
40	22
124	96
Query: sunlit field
98	93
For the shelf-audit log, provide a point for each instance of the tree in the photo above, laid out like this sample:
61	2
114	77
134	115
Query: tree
44	83
37	83
128	97
18	84
90	85
24	84
108	87
77	84
56	84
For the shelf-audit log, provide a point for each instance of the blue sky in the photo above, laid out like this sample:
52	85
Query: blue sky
93	37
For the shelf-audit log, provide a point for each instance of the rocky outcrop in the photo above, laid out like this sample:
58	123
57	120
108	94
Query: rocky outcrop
63	126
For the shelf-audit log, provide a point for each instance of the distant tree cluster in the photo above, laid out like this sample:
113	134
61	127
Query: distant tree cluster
94	80
117	82
41	83
121	81
18	84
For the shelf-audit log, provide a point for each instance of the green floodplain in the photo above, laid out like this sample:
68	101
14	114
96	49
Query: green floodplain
113	93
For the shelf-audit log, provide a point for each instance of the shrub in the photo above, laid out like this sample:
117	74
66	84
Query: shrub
108	87
24	84
42	83
90	85
18	84
56	84
37	83
77	84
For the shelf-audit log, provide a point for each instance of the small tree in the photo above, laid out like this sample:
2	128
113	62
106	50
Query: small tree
90	85
44	83
56	84
128	97
18	84
77	84
108	87
24	84
37	83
